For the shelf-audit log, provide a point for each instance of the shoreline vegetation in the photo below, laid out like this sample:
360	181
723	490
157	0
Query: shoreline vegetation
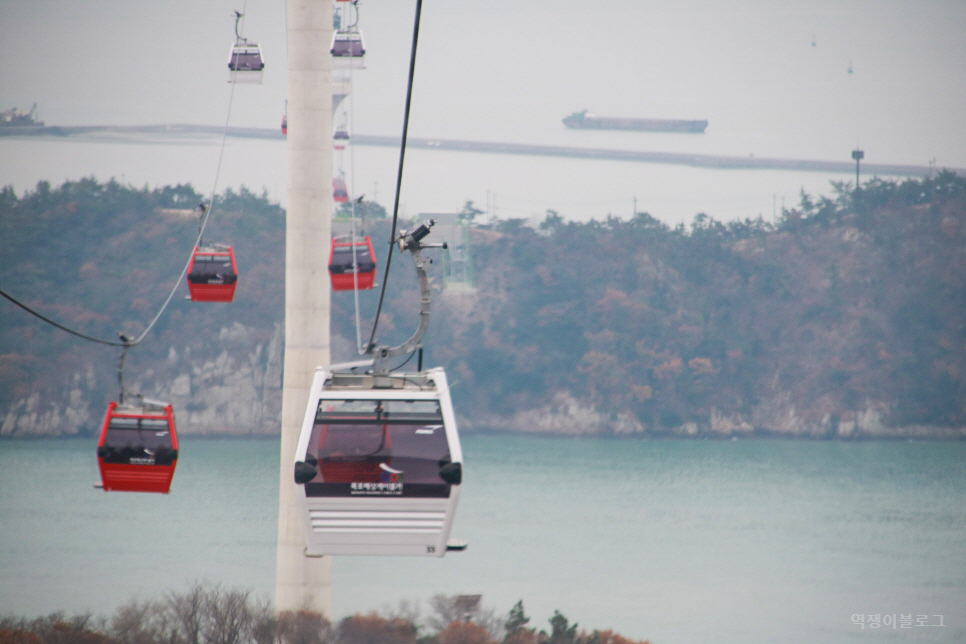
206	613
841	320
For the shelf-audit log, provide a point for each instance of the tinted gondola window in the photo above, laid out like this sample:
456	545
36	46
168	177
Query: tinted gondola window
138	441
348	45
246	59
342	259
384	448
212	269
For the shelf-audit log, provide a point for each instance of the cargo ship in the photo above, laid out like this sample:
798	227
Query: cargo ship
585	121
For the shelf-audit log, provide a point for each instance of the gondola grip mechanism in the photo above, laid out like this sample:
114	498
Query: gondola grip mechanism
411	241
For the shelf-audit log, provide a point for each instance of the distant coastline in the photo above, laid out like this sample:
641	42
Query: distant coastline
720	162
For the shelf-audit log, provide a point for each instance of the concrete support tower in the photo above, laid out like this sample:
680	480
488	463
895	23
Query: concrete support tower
303	582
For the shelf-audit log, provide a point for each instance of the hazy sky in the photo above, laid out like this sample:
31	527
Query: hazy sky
494	63
499	70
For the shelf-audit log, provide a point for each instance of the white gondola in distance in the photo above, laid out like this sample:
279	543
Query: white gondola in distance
245	63
378	464
340	137
348	50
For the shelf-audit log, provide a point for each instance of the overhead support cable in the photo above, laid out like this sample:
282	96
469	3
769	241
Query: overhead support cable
402	155
113	343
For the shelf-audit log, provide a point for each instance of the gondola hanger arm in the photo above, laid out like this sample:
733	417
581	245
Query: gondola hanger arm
413	242
238	37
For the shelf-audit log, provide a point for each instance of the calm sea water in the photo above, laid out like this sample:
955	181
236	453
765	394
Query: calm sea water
750	542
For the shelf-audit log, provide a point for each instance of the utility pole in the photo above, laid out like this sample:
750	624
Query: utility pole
305	583
858	155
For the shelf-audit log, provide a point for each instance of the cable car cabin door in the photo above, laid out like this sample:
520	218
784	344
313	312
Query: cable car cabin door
212	275
138	449
378	464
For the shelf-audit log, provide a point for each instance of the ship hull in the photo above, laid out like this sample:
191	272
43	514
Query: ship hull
581	122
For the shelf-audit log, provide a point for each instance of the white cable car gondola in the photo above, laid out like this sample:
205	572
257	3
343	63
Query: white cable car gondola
378	466
340	137
245	63
348	50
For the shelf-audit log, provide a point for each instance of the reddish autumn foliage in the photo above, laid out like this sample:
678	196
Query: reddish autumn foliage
464	633
18	636
375	629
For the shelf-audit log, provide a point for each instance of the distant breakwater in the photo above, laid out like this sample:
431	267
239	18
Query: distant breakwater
718	162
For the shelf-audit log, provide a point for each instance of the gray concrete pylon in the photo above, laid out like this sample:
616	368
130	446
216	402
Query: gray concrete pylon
305	583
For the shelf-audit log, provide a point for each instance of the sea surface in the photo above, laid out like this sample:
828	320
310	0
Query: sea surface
681	542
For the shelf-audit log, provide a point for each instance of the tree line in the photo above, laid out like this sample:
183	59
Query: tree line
209	614
847	302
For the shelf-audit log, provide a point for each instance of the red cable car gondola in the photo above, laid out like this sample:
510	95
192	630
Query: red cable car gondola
138	448
212	275
340	194
352	264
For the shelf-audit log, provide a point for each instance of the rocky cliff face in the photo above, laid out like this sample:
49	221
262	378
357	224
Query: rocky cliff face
233	387
36	417
567	416
238	391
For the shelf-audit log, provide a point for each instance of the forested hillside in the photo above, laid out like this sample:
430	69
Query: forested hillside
845	318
